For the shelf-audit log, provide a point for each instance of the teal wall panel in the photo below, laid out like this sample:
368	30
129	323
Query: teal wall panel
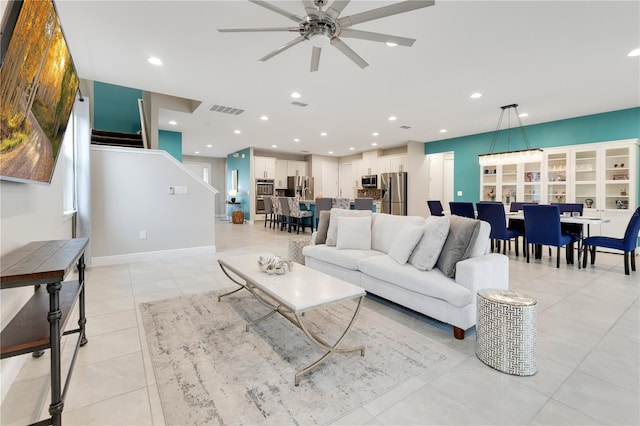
241	163
171	142
115	108
608	126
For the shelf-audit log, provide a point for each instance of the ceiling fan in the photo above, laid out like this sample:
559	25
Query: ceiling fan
324	28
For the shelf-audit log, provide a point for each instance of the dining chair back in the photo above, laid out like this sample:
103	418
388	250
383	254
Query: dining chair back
268	212
542	227
435	207
341	203
627	244
285	219
364	203
516	206
277	211
298	216
322	204
493	213
462	208
570	207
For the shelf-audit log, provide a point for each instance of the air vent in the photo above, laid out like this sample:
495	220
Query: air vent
226	110
405	127
300	104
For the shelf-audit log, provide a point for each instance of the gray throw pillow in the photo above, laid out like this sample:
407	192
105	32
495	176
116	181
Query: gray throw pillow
462	232
427	252
323	227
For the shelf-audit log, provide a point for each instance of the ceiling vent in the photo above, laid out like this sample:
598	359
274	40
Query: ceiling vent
300	104
226	110
405	127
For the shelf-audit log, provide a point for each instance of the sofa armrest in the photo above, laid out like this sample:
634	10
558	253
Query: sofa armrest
313	238
488	271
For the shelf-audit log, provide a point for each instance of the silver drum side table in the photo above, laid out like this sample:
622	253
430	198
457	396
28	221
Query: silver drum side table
506	331
294	249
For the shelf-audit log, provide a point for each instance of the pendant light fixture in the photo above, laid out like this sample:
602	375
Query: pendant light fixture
527	155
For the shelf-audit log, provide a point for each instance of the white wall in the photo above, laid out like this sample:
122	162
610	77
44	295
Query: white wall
417	168
217	170
129	189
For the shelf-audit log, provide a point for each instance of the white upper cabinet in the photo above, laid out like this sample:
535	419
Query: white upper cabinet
264	167
281	173
299	168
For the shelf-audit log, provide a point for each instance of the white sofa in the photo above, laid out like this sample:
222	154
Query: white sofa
430	292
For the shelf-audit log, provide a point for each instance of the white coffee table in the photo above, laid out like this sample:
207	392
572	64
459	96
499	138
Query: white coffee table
291	295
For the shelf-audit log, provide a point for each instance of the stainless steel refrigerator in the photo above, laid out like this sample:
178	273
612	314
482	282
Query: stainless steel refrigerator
394	193
300	185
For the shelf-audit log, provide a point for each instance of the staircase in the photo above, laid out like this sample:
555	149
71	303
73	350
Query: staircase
127	140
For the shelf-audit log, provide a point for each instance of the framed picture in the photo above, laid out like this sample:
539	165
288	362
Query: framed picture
622	176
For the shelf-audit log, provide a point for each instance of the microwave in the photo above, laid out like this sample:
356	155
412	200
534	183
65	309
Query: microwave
370	181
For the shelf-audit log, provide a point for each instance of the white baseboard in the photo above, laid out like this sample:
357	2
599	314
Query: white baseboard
151	255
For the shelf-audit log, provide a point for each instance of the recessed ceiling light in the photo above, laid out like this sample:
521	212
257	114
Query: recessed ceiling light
197	152
154	61
295	95
393	118
323	134
634	52
351	148
296	140
330	152
274	146
523	114
443	130
391	44
209	146
374	144
264	118
476	95
173	123
375	134
237	132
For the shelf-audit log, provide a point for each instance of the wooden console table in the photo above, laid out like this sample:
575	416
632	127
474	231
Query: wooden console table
39	323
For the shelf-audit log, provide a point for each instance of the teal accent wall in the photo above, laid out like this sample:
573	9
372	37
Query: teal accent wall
608	126
245	190
115	108
171	142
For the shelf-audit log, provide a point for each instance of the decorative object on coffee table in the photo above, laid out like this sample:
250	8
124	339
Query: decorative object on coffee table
506	331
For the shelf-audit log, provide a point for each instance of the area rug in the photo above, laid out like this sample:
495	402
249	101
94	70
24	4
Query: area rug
209	370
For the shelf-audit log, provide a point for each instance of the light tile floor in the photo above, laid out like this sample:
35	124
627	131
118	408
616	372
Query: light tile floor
588	349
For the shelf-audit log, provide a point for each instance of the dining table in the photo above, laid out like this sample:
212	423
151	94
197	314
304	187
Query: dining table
581	221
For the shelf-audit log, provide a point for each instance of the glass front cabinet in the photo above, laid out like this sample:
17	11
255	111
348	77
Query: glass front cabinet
602	176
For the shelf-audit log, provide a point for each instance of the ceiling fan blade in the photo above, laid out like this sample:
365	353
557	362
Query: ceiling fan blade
252	30
310	7
384	11
348	52
383	38
336	8
315	58
278	10
283	48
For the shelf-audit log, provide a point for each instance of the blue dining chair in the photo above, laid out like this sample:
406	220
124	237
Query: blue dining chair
462	208
542	227
626	244
435	207
494	214
570	207
516	206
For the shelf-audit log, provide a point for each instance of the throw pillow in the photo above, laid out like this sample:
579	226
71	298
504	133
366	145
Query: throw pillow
354	233
332	232
405	242
426	253
323	227
462	231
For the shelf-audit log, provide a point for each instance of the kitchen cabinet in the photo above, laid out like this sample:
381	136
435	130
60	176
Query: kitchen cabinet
299	168
264	167
281	173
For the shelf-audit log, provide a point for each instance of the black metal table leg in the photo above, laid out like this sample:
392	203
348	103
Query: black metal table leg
55	409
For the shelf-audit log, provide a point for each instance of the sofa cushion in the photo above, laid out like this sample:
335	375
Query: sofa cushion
323	227
354	233
481	245
385	228
347	258
332	232
405	242
431	283
434	235
462	231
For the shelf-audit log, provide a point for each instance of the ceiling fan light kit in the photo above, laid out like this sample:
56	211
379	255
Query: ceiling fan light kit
324	28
